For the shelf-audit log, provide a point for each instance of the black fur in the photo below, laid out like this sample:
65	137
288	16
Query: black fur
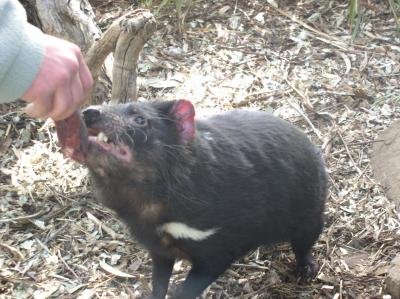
255	177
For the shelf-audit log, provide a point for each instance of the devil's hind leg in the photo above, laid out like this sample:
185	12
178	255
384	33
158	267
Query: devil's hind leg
306	266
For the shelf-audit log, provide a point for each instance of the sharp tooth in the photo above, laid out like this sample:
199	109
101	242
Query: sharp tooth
102	137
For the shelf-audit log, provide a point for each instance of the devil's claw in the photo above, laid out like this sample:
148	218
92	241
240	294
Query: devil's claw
73	137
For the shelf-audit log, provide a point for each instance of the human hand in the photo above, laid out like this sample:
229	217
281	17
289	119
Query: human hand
63	83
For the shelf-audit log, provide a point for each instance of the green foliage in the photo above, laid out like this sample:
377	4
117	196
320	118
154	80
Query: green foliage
353	8
356	13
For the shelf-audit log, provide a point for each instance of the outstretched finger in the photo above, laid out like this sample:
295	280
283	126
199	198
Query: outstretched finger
77	91
41	107
63	102
85	78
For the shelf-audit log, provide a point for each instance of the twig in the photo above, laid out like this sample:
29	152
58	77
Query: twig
104	227
55	233
297	108
22	218
349	154
330	40
377	218
71	197
16	280
14	251
384	75
8	114
363	173
251	266
320	35
306	100
365	142
316	131
265	93
259	291
44	247
330	92
396	19
66	265
54	213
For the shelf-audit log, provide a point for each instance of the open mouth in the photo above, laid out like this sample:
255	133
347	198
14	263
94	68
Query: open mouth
109	145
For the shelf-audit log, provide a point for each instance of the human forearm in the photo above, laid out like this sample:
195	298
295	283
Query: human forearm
21	51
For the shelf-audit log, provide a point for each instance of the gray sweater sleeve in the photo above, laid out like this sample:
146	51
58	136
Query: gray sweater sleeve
21	51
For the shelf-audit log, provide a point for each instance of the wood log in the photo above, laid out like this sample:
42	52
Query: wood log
126	37
135	32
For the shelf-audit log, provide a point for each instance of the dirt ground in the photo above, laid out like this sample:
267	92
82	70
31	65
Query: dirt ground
300	61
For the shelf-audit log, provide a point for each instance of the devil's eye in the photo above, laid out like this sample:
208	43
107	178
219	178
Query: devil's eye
140	120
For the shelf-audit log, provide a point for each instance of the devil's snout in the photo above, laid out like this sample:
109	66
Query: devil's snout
91	115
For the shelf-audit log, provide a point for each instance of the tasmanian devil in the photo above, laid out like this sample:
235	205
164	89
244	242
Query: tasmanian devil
207	190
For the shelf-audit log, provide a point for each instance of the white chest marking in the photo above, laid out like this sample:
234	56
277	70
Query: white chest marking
179	230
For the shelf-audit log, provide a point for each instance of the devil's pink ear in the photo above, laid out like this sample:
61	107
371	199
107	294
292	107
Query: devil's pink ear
183	113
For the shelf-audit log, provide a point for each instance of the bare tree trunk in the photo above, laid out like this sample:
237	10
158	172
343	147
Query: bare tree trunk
135	32
73	20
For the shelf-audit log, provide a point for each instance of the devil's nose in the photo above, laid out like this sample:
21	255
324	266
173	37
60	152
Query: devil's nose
91	115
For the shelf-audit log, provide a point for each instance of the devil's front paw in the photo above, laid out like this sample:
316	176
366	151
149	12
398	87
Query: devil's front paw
181	293
308	271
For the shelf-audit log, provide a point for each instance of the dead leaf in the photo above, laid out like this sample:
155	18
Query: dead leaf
4	145
346	60
114	271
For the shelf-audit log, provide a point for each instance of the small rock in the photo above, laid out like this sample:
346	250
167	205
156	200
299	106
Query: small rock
234	22
385	161
393	278
260	18
273	3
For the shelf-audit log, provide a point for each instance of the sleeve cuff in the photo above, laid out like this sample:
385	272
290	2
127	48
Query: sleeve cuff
25	67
